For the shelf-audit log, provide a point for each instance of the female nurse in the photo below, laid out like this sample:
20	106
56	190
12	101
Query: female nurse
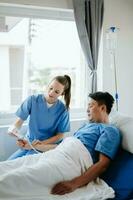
48	117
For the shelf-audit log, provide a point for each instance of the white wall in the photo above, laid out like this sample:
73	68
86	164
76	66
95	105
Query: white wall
119	13
4	82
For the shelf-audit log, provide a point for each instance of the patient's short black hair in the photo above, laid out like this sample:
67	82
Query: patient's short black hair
103	98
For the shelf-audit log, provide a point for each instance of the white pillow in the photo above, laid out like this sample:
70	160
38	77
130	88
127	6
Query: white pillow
125	124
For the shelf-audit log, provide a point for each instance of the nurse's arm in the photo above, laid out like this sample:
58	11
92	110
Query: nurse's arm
14	129
18	123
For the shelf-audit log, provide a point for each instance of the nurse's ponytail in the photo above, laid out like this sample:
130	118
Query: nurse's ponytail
66	82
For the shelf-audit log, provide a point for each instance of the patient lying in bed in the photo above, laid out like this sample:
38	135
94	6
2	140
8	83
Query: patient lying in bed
33	176
72	168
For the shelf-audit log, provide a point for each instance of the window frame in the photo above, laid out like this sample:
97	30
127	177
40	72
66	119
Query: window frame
17	10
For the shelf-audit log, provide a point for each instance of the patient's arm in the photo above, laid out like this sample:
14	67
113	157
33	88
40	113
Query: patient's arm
36	144
54	139
91	174
44	147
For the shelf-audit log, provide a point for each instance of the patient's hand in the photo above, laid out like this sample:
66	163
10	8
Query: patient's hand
37	142
23	144
63	188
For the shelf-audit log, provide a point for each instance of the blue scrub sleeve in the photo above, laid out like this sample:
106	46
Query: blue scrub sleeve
25	109
64	123
109	142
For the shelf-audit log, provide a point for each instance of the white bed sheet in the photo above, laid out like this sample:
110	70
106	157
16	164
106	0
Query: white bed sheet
32	177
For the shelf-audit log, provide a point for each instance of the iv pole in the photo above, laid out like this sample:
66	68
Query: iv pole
112	31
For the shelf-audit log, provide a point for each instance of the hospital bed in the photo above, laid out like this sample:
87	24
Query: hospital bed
120	173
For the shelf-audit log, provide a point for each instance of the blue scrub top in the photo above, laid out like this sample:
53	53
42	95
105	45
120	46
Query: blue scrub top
44	122
98	137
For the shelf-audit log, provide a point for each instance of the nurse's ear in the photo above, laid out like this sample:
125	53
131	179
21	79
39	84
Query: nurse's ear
63	93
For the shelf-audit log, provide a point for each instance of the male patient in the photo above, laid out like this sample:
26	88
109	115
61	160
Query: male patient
101	139
97	136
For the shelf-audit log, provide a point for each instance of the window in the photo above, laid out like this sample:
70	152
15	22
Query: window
34	50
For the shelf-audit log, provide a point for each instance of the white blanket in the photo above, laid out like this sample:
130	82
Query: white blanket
32	177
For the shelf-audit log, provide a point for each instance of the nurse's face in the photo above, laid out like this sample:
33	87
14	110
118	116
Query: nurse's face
55	89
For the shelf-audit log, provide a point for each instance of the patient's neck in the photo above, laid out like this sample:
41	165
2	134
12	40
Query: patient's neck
105	119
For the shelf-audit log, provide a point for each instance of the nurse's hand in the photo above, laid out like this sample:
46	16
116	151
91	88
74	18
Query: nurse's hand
13	131
22	143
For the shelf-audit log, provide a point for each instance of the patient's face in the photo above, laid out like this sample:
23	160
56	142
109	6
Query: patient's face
94	111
